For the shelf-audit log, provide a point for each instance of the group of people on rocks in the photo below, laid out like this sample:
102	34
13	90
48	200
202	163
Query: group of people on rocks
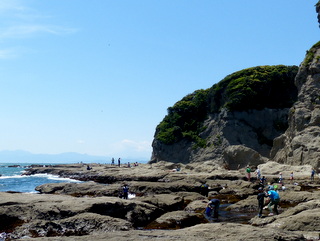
265	191
269	192
258	175
272	192
119	163
272	201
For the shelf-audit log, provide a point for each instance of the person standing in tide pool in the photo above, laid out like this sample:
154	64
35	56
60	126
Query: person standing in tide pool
274	201
214	206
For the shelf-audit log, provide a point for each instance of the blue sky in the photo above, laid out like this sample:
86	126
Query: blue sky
97	76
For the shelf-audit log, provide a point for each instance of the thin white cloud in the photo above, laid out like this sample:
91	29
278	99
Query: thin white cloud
131	148
23	31
7	54
139	146
81	142
11	5
18	21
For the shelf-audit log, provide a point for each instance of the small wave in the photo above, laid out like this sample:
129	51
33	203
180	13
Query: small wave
63	179
45	175
14	176
54	177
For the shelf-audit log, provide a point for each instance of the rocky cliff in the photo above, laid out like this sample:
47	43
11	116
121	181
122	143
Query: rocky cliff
240	121
237	138
232	138
246	111
300	144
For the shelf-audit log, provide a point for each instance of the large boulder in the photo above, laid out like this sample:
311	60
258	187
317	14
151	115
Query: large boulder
237	156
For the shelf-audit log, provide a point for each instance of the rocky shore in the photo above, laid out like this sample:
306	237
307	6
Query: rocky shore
166	205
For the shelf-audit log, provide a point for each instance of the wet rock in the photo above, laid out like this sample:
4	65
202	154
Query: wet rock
197	206
81	224
78	189
177	220
94	211
23	209
166	202
302	218
201	232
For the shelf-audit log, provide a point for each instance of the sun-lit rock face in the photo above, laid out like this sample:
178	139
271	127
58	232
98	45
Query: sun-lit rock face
300	144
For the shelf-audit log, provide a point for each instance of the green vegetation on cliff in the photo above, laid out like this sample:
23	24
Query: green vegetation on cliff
253	88
310	54
184	119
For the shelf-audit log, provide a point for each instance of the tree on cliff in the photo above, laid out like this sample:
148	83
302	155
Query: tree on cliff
318	11
253	88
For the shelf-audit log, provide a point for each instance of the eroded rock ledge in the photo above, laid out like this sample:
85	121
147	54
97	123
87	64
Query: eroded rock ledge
170	208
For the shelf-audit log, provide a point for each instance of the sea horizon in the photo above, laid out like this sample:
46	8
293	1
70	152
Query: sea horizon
21	156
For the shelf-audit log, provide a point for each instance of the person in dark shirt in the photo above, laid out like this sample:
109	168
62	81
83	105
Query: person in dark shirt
125	191
204	189
214	205
260	197
312	174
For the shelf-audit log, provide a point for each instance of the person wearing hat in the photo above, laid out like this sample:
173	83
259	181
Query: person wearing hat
260	197
214	205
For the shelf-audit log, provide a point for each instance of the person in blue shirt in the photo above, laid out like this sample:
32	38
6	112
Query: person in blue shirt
274	200
125	191
312	174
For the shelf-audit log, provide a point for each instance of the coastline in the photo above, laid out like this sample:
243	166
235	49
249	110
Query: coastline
167	205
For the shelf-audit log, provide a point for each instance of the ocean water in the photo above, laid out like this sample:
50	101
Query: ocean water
11	178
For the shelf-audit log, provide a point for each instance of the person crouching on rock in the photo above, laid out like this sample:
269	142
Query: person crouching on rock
274	201
260	197
214	206
125	191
